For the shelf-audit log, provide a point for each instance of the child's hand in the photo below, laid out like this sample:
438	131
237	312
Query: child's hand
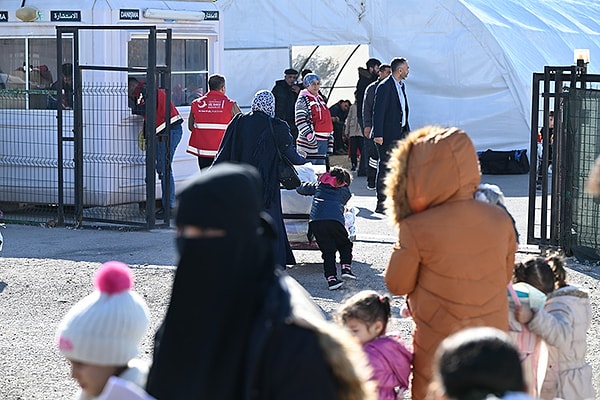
523	314
405	312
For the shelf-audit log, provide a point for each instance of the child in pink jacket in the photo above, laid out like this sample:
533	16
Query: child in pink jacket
366	315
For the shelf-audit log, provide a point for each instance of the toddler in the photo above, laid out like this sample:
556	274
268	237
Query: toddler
327	223
531	282
101	334
366	315
562	322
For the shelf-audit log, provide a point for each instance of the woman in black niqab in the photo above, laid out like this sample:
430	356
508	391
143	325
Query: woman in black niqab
225	270
254	138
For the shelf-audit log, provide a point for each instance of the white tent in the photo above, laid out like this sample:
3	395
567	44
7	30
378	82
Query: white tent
471	60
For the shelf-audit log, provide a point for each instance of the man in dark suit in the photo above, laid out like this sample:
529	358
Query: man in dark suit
390	119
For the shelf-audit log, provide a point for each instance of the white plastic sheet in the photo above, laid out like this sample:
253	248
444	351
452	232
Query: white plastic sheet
471	61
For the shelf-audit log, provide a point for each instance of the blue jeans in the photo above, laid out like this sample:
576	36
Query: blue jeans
322	147
168	199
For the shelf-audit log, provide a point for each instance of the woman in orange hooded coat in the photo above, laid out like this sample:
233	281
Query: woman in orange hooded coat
455	255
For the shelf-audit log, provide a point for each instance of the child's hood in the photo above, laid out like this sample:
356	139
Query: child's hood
330	180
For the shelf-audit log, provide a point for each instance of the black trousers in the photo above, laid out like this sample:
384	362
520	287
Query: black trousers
205	162
356	143
384	156
372	164
332	236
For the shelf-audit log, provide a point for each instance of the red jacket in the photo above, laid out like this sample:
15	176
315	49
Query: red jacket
161	100
211	113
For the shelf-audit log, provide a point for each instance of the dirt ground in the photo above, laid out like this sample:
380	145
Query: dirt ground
43	272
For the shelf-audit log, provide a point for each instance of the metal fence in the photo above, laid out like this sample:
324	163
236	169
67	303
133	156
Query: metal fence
582	108
114	165
66	160
561	215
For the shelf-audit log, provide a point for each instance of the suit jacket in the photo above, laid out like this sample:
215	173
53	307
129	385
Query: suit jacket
387	113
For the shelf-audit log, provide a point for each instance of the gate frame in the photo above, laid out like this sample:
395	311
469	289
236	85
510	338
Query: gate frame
154	73
560	197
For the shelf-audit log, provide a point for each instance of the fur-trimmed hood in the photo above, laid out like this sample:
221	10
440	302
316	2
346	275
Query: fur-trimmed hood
431	166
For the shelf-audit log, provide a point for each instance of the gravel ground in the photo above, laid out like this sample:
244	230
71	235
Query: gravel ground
43	272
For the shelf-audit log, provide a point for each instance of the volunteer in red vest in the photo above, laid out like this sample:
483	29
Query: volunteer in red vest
209	117
137	93
315	129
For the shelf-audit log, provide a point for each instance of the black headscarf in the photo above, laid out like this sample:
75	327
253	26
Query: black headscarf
219	288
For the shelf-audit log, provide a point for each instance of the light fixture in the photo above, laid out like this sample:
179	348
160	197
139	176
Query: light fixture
176	15
27	14
581	57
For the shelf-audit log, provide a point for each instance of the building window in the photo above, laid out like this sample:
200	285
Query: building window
29	64
189	68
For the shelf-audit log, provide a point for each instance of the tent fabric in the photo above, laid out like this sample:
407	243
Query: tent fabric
471	61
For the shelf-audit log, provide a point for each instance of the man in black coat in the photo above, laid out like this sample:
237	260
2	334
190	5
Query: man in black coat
365	78
286	93
390	119
339	113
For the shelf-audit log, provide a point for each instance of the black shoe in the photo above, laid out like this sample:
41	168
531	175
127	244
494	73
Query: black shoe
334	283
380	209
160	213
347	273
369	187
353	167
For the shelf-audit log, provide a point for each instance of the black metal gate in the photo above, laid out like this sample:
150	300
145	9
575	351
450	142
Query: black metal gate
110	178
561	214
72	155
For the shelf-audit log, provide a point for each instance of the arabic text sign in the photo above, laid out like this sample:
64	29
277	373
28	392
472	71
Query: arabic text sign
65	16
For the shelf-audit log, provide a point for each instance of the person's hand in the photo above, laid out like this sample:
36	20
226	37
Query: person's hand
335	119
367	132
295	88
523	314
378	140
405	312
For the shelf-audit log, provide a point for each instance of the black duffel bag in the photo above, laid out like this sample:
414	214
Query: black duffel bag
494	162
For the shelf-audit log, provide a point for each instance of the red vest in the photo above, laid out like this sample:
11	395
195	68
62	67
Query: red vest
321	118
161	102
212	113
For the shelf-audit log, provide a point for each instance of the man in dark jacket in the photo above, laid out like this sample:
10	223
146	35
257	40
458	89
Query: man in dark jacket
390	119
365	78
286	92
339	113
367	114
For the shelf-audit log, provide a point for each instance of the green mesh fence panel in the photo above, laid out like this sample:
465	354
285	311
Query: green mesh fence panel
583	145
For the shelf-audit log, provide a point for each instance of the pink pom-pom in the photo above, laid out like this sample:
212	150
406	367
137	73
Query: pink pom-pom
113	277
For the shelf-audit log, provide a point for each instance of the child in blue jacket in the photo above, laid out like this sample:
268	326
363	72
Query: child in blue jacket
326	222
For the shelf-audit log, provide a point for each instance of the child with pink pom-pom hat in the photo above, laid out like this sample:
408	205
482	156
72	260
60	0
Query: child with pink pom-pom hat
101	334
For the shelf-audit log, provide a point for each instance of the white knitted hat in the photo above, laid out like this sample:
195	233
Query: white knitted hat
107	326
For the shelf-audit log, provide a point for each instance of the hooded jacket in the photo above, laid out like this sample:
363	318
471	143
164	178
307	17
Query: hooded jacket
563	324
329	198
390	361
454	255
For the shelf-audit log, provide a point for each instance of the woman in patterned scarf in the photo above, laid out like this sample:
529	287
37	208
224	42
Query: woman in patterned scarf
251	138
